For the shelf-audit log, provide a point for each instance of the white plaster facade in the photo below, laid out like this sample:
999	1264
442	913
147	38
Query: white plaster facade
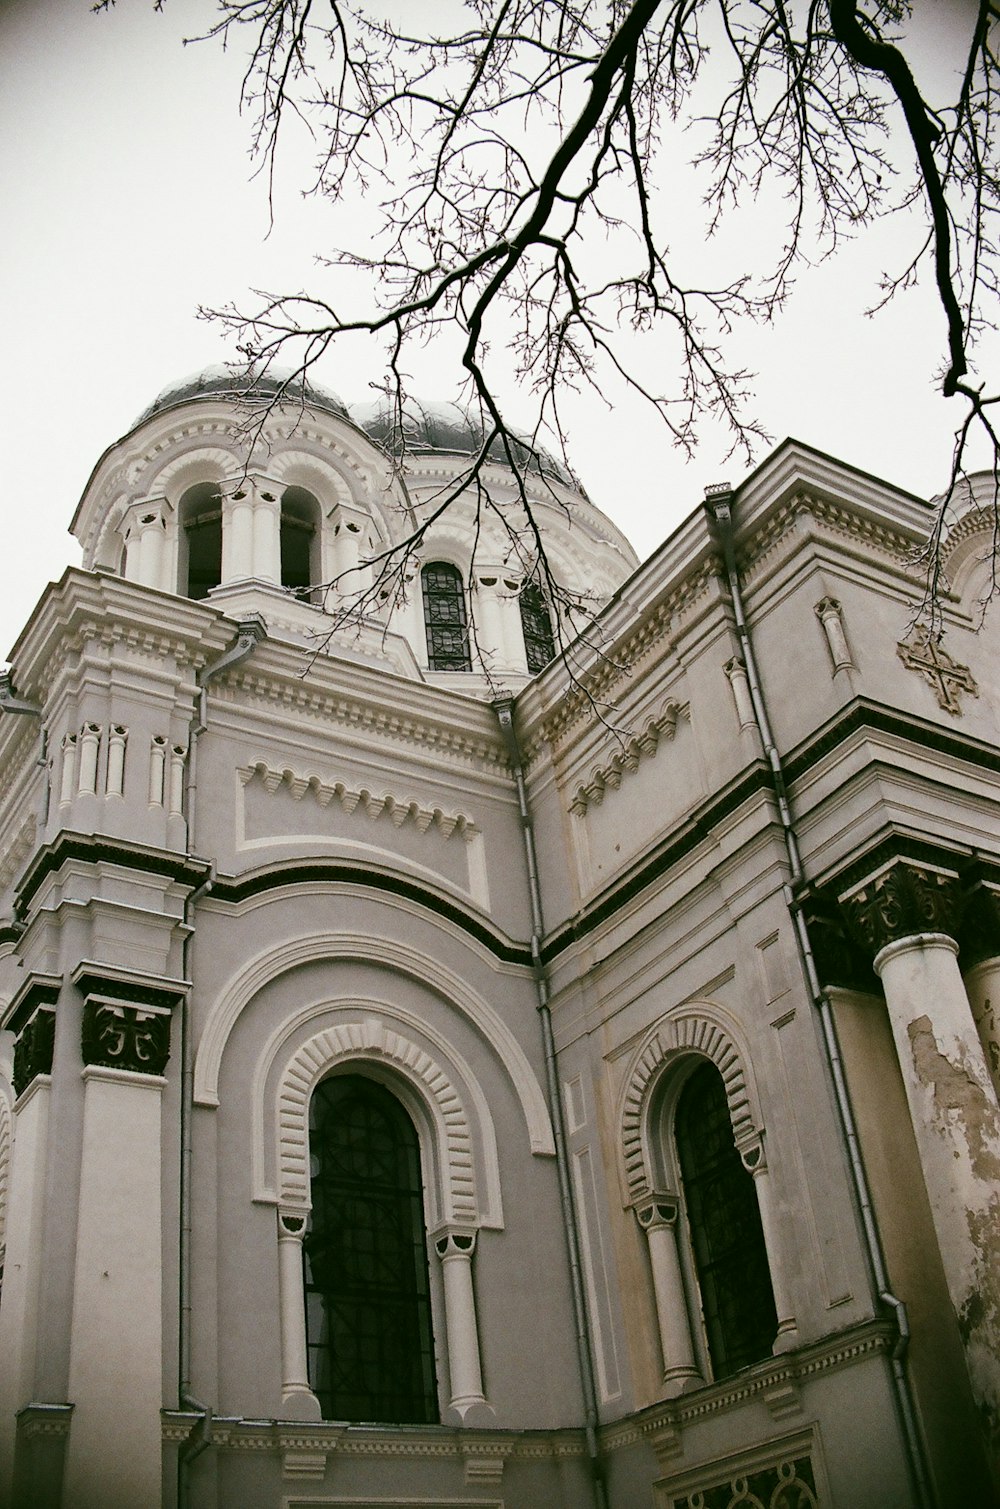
236	865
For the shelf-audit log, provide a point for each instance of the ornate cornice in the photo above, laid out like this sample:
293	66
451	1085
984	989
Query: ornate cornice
397	810
93	848
627	757
840	519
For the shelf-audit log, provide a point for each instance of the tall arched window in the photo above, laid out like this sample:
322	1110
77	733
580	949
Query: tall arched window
201	553
300	566
445	618
536	625
368	1317
727	1238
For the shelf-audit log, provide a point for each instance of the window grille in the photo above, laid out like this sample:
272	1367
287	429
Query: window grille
445	618
788	1485
726	1234
536	625
368	1320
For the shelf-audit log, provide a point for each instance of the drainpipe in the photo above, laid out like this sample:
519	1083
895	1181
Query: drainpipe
719	504
250	632
504	709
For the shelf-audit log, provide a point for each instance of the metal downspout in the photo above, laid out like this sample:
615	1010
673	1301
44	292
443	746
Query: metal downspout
250	632
718	502
504	709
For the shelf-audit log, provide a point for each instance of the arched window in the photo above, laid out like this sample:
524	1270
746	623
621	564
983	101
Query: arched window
300	565
727	1238
201	540
368	1317
536	625
445	618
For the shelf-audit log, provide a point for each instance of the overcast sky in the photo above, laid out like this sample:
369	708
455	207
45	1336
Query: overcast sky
127	202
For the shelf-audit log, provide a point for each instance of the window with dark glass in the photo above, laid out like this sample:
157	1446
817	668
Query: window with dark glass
299	540
445	618
201	519
536	625
368	1317
726	1236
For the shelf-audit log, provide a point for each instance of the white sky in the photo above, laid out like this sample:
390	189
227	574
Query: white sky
124	181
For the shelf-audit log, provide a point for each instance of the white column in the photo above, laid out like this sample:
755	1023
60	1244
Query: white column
90	743
147	542
67	786
953	1107
116	1340
115	781
23	1266
657	1216
267	536
455	1248
157	763
754	1161
237	533
298	1402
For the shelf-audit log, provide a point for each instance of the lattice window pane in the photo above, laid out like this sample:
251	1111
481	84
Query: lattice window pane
536	624
368	1321
726	1234
445	619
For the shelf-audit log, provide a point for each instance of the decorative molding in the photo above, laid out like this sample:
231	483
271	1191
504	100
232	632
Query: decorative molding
17	851
398	811
946	678
739	685
690	1030
371	1040
901	900
627	760
841	519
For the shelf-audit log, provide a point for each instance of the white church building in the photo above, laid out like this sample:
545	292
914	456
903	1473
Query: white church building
463	1062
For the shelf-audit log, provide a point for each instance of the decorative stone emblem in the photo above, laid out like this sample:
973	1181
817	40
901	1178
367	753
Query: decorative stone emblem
126	1037
946	677
33	1049
902	900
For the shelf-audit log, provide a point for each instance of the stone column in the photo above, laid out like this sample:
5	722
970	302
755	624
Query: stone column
981	970
487	612
455	1246
116	1330
657	1215
146	542
237	533
756	1164
267	535
910	913
298	1402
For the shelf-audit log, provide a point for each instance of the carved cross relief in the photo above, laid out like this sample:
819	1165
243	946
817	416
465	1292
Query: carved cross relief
946	677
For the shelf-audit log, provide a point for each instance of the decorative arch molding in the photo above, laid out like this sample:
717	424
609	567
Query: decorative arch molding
442	1092
201	463
698	1028
276	961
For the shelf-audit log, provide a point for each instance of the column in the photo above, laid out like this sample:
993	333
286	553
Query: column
657	1215
910	913
455	1246
146	538
267	536
981	970
298	1402
116	1331
488	623
756	1164
237	533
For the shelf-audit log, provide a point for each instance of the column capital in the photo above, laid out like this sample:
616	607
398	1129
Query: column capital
126	1018
656	1209
455	1241
902	899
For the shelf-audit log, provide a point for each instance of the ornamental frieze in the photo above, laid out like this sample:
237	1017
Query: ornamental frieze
116	1036
902	900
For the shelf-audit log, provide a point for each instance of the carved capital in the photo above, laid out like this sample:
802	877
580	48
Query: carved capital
117	1036
33	1049
455	1241
981	924
656	1210
900	901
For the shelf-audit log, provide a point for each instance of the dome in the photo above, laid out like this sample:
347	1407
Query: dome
449	428
219	382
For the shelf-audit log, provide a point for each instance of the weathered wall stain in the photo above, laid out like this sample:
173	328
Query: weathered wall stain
955	1088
